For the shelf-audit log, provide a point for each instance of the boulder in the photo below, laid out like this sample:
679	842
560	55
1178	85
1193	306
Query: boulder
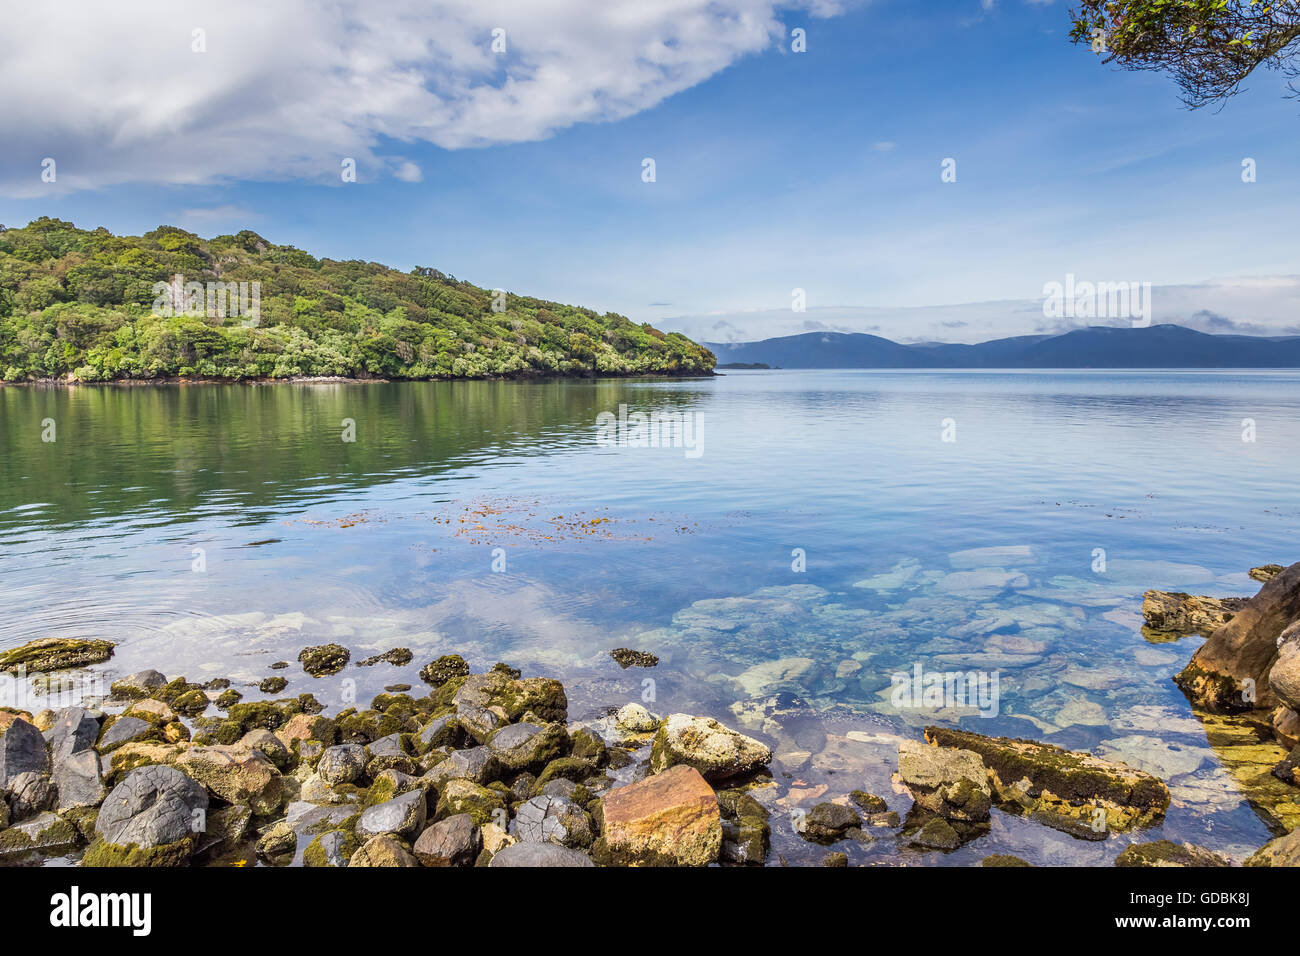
342	763
464	796
539	855
527	746
669	819
636	719
22	750
553	819
125	730
45	831
29	794
477	764
72	731
541	696
324	660
155	808
383	850
402	816
1038	776
1284	674
716	751
54	654
236	775
444	731
1236	659
1266	572
78	781
455	841
828	823
140	684
1173	612
946	781
444	669
332	849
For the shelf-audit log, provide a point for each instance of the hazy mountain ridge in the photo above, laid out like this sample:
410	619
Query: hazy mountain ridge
1157	346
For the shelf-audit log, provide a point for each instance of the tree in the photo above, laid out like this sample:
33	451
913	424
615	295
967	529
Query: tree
1208	47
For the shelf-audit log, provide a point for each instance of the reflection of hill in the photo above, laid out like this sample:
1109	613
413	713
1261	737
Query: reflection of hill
183	452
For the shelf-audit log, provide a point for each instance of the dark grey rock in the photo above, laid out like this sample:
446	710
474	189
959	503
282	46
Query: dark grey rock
152	806
78	782
29	794
529	746
22	750
123	731
403	816
342	763
139	684
556	820
444	731
73	731
477	764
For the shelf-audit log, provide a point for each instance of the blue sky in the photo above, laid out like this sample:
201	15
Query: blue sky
818	170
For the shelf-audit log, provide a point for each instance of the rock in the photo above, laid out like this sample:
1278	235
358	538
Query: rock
398	657
542	696
463	796
389	753
1173	612
152	808
539	855
625	657
952	783
268	745
1037	776
280	840
334	848
586	744
236	775
1003	859
1167	853
444	731
45	831
636	719
29	794
479	723
445	668
495	839
564	770
936	834
324	660
869	802
455	841
828	823
1288	770
716	751
152	711
22	750
139	684
527	746
1266	572
383	850
1284	851
403	816
272	685
125	730
306	727
836	860
1284	674
669	819
54	654
72	731
477	764
78	782
1243	650
552	819
342	763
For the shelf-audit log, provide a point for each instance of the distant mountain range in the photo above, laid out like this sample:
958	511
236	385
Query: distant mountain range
1157	346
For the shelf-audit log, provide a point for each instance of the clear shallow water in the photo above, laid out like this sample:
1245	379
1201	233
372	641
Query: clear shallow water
390	540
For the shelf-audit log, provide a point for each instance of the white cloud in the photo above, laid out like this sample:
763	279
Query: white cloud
115	93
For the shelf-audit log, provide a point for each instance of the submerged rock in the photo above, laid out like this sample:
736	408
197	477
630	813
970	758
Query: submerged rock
716	751
670	819
1229	672
625	657
829	822
1038	776
1173	612
54	654
398	657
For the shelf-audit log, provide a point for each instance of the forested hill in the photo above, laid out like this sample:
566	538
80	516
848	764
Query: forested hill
88	305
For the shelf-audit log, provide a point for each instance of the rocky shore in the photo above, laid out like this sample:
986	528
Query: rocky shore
487	769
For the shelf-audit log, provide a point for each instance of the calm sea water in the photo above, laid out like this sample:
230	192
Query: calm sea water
827	530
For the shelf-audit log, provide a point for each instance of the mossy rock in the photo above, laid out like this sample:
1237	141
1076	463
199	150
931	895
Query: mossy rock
462	796
324	659
317	855
110	854
1003	859
1168	853
228	699
446	668
869	802
54	654
272	685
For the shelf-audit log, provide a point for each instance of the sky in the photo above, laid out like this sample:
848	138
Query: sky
504	142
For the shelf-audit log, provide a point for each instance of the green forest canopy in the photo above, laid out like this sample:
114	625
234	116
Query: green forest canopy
85	305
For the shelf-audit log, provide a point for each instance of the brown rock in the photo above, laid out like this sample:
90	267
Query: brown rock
455	841
1238	656
235	774
1177	613
670	819
383	850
